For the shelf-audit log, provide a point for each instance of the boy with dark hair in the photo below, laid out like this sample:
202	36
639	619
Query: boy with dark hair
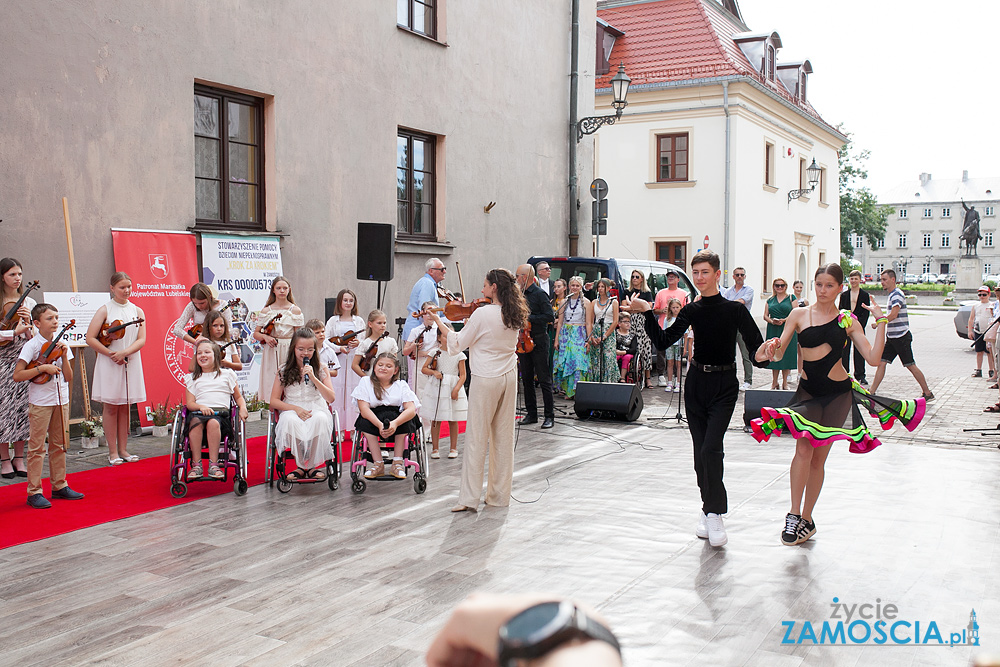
48	408
711	388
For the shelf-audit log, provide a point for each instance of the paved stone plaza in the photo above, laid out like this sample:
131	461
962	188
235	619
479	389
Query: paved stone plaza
603	512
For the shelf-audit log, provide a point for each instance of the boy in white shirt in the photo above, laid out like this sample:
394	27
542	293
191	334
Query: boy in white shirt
48	408
328	351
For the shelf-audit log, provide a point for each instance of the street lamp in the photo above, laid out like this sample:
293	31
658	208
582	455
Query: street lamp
619	91
812	176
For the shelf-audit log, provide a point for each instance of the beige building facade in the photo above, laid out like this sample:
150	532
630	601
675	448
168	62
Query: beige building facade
297	119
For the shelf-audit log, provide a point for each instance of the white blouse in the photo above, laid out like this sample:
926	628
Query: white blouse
491	343
215	391
397	394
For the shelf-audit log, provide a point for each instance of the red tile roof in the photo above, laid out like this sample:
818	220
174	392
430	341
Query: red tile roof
681	40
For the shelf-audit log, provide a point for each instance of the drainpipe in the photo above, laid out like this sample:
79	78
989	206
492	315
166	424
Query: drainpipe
574	94
725	218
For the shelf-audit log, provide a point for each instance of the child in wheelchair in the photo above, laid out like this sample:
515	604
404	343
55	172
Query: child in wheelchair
211	389
387	409
302	392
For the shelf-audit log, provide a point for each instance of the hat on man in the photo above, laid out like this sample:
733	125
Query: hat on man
671	271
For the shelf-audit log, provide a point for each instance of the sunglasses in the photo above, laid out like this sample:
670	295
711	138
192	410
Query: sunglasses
738	275
983	293
780	286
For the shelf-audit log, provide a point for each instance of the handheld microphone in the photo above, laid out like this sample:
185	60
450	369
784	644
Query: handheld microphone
305	375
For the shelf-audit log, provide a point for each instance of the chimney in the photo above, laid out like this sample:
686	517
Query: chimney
924	178
965	175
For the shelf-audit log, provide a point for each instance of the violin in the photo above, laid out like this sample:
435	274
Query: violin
196	330
525	343
457	310
366	361
345	339
268	329
433	363
50	353
446	294
236	341
10	318
112	331
417	342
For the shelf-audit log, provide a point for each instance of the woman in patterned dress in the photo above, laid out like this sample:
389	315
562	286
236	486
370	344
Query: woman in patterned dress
571	362
638	288
602	320
13	395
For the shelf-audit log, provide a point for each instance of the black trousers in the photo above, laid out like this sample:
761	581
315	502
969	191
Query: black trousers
859	361
532	365
710	399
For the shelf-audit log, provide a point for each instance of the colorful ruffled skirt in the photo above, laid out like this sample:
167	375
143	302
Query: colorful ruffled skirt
571	363
804	415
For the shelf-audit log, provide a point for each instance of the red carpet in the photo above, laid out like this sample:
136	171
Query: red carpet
112	493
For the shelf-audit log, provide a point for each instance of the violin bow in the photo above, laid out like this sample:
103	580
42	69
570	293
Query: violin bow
461	285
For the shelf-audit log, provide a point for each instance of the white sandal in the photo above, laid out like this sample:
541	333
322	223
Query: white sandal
117	461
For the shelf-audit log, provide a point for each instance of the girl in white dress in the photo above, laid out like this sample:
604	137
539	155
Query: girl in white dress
345	322
209	390
302	392
118	371
387	408
281	309
420	344
443	398
376	335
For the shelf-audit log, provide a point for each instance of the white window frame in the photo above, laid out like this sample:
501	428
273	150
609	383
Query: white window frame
928	212
945	240
989	211
881	243
902	239
987	269
945	212
928	241
903	212
879	268
859	241
987	239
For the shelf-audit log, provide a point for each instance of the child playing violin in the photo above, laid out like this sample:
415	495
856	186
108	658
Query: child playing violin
420	344
209	388
375	335
118	381
48	411
196	311
217	331
388	408
327	350
444	397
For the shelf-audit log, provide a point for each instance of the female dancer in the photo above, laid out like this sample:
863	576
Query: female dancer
118	370
202	302
602	320
217	330
302	392
345	321
571	362
491	335
637	288
13	395
776	311
826	396
280	309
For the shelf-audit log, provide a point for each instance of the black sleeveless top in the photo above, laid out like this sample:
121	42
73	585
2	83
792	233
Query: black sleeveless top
817	381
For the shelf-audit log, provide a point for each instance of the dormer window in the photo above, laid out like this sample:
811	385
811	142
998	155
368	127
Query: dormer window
606	36
761	49
793	77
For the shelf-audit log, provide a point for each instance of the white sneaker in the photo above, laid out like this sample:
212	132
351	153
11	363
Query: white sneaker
661	382
677	387
701	530
745	386
716	531
669	388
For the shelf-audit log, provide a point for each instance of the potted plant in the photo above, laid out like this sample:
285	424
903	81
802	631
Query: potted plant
92	431
253	408
161	414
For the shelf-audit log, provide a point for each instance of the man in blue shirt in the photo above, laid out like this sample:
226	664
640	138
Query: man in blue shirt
425	289
743	294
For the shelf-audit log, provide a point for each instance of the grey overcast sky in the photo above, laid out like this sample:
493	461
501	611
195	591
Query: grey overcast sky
913	82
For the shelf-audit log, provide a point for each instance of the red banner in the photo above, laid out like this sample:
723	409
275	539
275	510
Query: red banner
163	267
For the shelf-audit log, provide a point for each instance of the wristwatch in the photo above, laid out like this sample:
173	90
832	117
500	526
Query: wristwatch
543	627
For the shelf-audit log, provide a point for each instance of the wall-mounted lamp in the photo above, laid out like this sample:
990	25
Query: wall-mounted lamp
619	89
812	175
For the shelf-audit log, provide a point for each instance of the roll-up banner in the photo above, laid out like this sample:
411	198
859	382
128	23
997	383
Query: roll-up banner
163	266
242	267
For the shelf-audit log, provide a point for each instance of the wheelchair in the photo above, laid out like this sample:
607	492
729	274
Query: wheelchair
276	461
414	456
232	454
635	372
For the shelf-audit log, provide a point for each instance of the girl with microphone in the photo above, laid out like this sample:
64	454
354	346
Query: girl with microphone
302	393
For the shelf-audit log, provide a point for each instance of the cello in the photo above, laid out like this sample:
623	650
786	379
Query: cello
49	354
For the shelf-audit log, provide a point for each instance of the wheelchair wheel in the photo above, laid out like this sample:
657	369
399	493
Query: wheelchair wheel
359	486
178	489
284	485
333	477
240	486
419	483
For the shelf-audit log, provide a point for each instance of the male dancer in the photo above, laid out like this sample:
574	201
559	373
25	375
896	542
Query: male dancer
711	388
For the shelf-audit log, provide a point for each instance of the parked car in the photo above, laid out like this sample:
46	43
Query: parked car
910	278
619	271
962	318
995	278
869	278
928	277
946	278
